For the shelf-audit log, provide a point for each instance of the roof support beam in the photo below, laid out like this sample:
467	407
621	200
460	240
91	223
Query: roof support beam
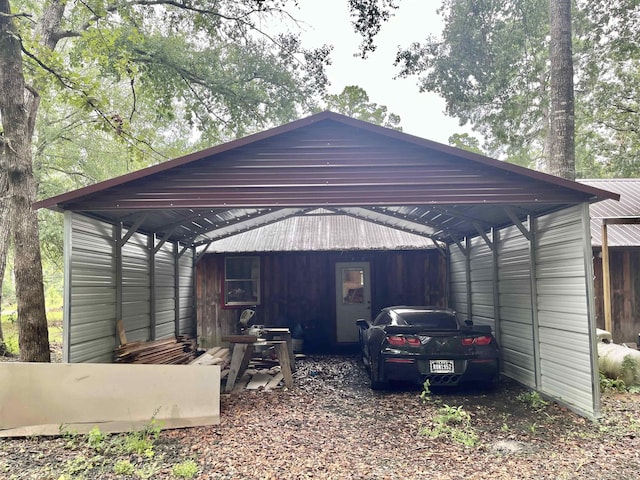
485	237
516	221
133	229
373	216
245	226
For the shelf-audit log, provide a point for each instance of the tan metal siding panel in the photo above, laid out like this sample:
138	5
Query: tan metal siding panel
165	291
515	309
92	295
458	281
565	342
481	264
186	313
136	288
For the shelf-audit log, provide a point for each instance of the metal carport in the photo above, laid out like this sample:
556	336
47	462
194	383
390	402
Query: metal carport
518	240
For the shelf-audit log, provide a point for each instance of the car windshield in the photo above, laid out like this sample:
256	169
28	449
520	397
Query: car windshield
432	320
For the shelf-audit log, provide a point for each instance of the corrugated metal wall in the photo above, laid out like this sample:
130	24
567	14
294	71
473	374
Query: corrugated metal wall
515	313
482	282
186	290
565	296
545	312
458	287
136	288
104	282
90	272
165	291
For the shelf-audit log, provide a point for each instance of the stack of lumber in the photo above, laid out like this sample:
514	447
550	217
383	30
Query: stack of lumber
172	351
214	356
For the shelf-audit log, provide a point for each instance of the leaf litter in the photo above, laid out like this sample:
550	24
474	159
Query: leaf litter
330	425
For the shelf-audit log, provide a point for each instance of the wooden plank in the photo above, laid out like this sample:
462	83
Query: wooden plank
606	281
121	333
239	338
242	383
258	380
274	382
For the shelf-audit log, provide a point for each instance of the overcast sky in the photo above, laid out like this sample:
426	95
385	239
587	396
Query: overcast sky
328	21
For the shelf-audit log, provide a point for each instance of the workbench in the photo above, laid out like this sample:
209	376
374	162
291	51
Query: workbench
243	347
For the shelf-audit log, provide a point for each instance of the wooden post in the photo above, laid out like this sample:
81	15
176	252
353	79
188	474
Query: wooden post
239	360
285	362
606	280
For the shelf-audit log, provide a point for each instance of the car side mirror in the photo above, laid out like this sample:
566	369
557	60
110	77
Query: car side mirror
468	323
362	323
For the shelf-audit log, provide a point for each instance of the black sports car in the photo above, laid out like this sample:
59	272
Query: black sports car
415	344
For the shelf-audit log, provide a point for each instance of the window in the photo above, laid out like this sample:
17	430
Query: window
242	281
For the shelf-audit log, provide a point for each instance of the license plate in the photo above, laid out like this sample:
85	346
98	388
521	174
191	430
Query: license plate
441	366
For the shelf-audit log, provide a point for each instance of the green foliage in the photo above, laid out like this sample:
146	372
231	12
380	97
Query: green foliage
453	423
80	465
124	86
70	436
465	142
611	385
186	469
123	467
630	368
533	400
425	395
141	442
634	389
491	65
96	439
354	102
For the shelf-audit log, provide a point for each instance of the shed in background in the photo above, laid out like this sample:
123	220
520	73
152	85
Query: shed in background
624	257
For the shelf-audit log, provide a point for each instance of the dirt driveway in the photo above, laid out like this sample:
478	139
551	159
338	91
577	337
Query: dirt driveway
330	425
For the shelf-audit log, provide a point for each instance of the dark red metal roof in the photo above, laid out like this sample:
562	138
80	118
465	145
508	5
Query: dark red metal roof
326	160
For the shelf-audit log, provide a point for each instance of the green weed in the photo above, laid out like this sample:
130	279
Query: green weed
611	384
533	399
96	439
453	423
123	467
186	469
148	470
141	442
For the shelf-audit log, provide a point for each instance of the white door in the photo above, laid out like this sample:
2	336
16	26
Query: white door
353	299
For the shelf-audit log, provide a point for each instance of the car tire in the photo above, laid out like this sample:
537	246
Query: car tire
374	378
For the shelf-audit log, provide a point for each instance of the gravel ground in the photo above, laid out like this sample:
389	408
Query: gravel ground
331	425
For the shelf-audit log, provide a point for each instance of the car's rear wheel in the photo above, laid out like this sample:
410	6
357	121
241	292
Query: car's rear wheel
375	381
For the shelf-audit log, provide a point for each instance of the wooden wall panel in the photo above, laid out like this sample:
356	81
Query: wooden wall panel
624	267
299	288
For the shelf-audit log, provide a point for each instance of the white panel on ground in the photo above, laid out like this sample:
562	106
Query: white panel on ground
39	398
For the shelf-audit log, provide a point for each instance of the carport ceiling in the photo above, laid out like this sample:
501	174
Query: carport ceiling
325	160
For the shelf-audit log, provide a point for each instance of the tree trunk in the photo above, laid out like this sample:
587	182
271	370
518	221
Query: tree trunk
561	156
4	238
18	108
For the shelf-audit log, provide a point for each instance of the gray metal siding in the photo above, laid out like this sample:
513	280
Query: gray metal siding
515	306
136	288
165	296
90	290
458	281
186	291
563	313
481	265
92	298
